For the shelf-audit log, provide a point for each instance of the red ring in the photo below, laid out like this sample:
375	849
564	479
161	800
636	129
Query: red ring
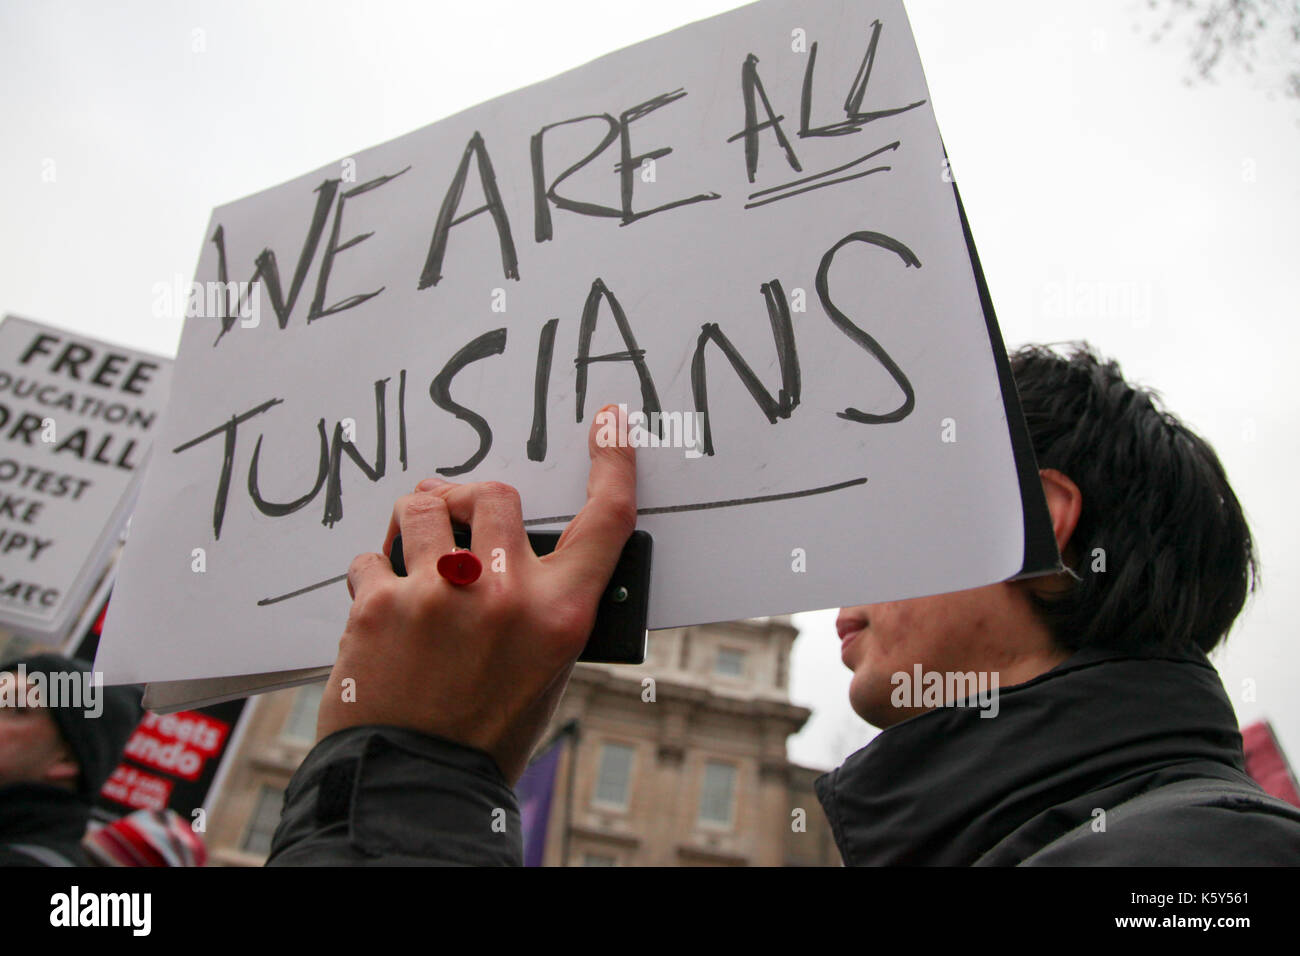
460	567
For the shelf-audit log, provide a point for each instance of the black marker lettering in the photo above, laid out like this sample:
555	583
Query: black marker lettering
542	228
334	488
447	215
633	354
489	343
541	384
750	85
853	102
401	418
275	509
843	323
227	458
629	164
787	397
267	270
334	247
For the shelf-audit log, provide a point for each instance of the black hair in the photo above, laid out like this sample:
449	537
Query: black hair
1178	555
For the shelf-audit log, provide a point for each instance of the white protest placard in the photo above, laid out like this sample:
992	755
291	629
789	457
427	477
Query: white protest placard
77	418
744	229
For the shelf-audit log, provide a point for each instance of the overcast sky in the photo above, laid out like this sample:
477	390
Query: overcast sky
1108	200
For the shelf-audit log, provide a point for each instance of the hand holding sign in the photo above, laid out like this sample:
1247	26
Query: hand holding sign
483	664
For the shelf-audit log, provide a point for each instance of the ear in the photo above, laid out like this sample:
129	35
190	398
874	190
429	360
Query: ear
1064	503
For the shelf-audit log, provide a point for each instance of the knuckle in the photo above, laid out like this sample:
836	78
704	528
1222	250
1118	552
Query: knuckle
502	607
359	564
499	491
428	598
496	587
570	621
374	606
425	504
621	515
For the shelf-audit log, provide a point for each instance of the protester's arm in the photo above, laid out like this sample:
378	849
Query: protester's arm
440	693
392	796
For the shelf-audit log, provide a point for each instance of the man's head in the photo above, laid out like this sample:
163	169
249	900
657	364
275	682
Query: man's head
71	743
1160	554
31	748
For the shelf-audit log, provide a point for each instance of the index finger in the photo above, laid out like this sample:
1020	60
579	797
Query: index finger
591	544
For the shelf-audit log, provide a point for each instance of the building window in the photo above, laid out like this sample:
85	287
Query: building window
301	725
598	859
614	774
717	793
266	816
730	662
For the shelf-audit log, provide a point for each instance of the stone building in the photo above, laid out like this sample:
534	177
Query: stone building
678	761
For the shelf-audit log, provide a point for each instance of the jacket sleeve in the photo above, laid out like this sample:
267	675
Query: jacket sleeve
388	796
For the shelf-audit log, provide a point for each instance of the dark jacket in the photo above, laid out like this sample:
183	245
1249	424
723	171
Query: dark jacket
41	825
1104	760
386	796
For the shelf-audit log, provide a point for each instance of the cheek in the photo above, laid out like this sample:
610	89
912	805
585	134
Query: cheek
15	750
969	626
31	735
896	630
923	631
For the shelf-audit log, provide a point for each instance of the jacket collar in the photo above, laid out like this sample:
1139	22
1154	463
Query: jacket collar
947	786
32	810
